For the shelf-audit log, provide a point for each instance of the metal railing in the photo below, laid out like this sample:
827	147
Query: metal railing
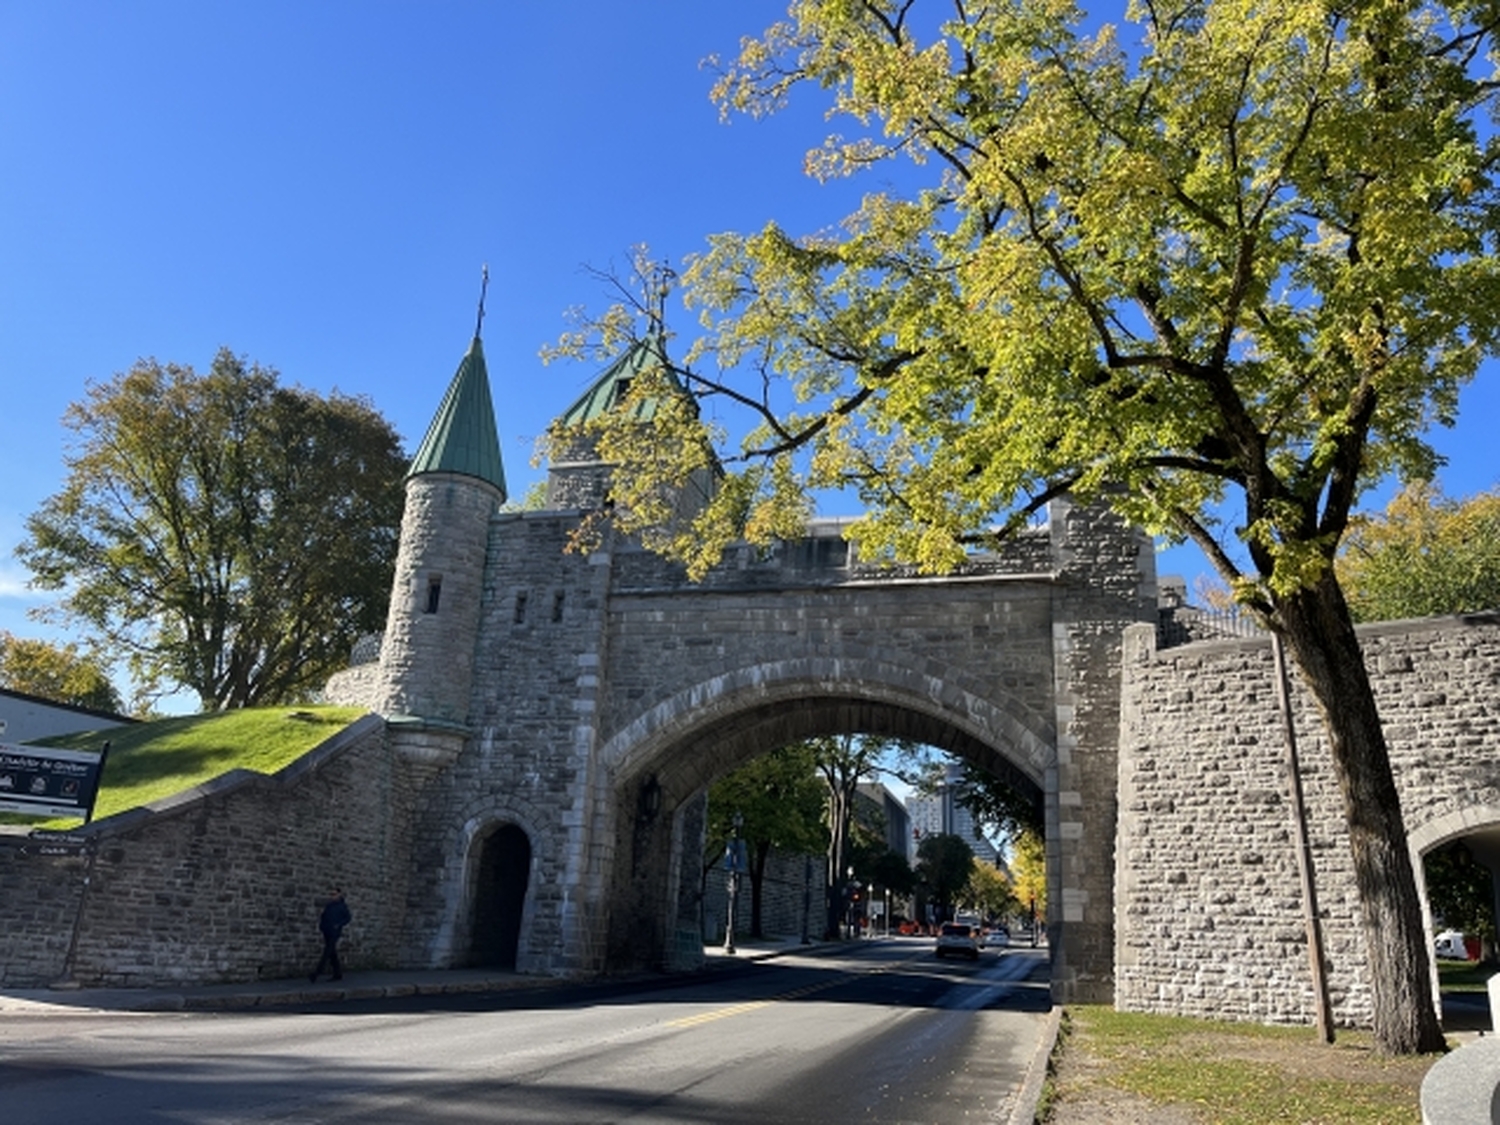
1185	624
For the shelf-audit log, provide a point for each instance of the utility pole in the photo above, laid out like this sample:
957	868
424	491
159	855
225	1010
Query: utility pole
1304	853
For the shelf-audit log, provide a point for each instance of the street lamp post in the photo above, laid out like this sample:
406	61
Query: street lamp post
849	893
732	856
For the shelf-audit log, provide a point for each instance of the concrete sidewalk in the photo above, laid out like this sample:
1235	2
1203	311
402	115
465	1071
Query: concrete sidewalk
356	985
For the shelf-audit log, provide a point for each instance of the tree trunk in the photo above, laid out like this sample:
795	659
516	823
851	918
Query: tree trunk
1319	633
838	817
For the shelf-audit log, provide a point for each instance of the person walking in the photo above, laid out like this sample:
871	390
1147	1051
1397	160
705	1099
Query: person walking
331	922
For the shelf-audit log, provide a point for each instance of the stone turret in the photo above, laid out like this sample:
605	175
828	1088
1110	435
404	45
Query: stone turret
578	479
455	484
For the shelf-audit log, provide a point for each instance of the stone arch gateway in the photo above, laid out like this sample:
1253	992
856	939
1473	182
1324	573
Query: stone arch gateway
591	698
586	700
650	680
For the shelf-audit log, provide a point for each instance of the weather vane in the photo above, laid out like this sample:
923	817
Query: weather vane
484	284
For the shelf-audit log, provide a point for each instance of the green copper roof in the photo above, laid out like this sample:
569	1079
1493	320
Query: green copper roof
610	389
462	437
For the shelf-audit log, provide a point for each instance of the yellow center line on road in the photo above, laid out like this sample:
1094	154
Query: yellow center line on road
752	1005
720	1013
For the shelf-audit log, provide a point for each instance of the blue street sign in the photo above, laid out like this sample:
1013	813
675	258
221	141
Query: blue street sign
734	856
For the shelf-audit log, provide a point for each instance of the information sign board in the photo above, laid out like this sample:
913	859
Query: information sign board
43	781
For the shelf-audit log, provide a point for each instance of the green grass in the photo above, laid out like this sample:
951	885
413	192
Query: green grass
1464	976
155	760
1240	1074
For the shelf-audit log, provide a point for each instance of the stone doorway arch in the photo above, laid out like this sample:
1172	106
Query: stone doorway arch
502	878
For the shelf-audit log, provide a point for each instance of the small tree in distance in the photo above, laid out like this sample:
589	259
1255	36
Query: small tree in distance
943	866
1427	555
60	673
1028	870
780	802
988	891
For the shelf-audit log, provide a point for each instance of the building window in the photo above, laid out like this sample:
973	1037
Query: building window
557	605
434	593
520	616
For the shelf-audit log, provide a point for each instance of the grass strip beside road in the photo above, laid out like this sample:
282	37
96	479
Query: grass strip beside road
1117	1063
1464	976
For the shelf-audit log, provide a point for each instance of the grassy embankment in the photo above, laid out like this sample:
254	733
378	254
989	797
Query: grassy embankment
154	760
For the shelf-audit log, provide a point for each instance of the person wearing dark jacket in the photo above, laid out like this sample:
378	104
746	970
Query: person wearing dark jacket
334	918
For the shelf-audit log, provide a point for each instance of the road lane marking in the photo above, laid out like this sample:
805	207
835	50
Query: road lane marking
753	1005
984	989
720	1013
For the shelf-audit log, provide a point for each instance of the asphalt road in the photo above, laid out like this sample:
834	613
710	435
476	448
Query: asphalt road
875	1032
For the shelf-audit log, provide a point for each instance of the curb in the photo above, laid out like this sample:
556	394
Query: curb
313	994
281	994
1030	1095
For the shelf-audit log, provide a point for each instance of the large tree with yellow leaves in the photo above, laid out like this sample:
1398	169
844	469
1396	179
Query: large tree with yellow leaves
1219	264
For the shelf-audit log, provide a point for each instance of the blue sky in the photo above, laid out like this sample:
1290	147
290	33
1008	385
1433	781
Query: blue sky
316	186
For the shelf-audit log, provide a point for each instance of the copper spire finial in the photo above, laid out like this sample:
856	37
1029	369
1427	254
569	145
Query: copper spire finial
484	284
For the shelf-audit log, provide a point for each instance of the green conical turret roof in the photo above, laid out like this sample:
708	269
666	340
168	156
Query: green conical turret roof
462	437
610	388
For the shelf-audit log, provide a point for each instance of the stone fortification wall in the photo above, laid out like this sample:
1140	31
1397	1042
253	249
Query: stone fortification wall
1208	899
1107	583
579	655
223	883
788	881
356	686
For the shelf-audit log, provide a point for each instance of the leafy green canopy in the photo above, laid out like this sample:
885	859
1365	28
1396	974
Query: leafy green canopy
1426	555
943	866
224	533
1461	890
61	673
778	799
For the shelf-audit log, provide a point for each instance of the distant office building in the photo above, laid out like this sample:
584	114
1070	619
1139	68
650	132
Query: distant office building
942	814
888	808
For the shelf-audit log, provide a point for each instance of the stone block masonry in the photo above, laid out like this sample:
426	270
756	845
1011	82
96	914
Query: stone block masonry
608	692
219	884
1208	906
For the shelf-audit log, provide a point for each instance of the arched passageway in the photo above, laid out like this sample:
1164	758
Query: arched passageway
662	787
1462	888
500	897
